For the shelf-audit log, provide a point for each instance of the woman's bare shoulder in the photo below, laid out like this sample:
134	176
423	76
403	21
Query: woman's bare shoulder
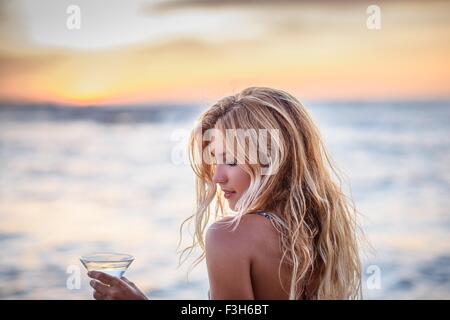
221	233
251	231
228	262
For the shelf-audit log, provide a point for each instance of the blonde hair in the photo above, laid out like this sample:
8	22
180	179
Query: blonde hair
315	220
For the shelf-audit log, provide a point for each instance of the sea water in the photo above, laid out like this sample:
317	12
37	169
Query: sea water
101	179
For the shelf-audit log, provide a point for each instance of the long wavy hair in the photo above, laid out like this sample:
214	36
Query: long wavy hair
303	192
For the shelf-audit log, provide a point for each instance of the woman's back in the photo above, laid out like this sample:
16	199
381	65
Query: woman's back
261	248
266	260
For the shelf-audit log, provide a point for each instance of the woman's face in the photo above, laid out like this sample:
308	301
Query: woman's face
229	176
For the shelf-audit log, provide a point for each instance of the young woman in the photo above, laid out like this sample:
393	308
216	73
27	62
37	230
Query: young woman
293	231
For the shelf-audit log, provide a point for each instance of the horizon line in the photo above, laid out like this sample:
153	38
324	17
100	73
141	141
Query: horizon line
176	103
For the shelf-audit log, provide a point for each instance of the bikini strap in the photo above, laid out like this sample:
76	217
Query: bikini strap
264	214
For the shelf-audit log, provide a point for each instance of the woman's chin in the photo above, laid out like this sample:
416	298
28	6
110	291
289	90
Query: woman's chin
232	205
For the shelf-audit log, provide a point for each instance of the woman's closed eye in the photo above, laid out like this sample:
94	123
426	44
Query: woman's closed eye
223	159
230	164
229	161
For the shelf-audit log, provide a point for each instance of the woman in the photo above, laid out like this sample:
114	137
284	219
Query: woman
293	234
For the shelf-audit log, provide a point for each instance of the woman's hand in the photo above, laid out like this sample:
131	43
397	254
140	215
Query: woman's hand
107	287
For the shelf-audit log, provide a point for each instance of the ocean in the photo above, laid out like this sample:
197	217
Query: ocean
81	180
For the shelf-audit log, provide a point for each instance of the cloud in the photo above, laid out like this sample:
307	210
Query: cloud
318	49
13	33
18	65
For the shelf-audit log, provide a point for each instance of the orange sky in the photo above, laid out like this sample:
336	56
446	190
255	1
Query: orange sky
196	50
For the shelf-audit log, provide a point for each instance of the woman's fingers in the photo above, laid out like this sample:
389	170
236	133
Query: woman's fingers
128	282
98	296
101	291
107	287
103	277
99	287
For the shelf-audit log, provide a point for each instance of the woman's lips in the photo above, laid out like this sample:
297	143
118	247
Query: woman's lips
228	194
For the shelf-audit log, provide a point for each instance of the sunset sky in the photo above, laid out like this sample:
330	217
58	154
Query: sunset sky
138	51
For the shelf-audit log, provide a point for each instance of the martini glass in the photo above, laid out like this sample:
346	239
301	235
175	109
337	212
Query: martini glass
114	264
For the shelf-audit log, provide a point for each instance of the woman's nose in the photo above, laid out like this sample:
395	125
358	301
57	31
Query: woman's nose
219	174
